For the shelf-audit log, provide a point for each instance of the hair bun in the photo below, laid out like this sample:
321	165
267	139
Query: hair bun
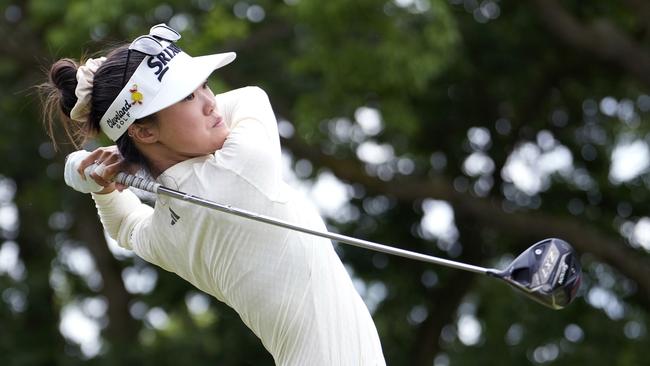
63	76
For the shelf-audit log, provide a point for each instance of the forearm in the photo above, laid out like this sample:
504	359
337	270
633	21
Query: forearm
120	212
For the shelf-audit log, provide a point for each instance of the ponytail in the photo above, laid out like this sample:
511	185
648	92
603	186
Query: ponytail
59	99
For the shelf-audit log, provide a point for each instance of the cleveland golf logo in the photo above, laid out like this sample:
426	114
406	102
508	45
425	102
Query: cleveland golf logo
117	121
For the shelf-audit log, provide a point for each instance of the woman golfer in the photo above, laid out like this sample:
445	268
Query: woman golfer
152	99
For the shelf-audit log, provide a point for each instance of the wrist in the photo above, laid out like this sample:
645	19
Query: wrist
108	189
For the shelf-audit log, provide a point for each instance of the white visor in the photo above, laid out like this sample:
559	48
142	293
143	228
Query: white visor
158	82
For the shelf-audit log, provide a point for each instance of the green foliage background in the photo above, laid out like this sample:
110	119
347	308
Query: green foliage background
435	70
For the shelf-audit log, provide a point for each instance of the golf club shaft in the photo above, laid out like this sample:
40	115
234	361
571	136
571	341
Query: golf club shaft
153	187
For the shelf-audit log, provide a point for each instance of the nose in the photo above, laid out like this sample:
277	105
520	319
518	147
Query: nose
210	103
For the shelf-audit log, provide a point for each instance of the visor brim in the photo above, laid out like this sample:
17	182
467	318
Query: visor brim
185	78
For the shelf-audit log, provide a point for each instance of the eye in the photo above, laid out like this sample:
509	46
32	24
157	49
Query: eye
189	97
192	96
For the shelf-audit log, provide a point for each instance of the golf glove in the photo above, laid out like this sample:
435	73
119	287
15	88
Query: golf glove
72	177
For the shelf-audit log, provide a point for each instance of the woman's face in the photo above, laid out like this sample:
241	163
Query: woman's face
193	126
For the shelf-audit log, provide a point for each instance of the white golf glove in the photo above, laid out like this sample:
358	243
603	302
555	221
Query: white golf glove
72	177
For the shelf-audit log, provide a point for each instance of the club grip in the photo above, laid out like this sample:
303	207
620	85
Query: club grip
137	182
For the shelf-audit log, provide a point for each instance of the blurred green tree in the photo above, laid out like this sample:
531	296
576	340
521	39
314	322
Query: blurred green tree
457	128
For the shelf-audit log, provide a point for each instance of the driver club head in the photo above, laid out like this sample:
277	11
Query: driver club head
548	272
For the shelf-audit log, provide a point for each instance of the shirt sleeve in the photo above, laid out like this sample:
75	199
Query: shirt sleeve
252	149
126	220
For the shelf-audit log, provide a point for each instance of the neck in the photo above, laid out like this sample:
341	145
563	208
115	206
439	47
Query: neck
160	158
157	167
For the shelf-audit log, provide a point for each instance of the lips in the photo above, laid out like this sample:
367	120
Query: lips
218	122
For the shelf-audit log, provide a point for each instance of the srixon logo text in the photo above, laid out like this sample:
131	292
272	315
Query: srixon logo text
160	61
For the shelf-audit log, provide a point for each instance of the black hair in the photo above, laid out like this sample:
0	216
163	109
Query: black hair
59	99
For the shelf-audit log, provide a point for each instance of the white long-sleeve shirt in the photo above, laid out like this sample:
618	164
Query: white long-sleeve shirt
289	288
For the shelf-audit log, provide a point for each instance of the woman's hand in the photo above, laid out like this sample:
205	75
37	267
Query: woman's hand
109	162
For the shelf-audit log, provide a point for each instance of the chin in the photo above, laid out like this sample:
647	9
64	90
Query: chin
217	145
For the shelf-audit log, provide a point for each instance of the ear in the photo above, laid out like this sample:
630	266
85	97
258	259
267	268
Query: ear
144	133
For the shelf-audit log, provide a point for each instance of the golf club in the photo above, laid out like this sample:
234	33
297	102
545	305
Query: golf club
548	272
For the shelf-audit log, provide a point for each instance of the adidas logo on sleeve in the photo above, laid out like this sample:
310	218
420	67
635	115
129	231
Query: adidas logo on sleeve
175	216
